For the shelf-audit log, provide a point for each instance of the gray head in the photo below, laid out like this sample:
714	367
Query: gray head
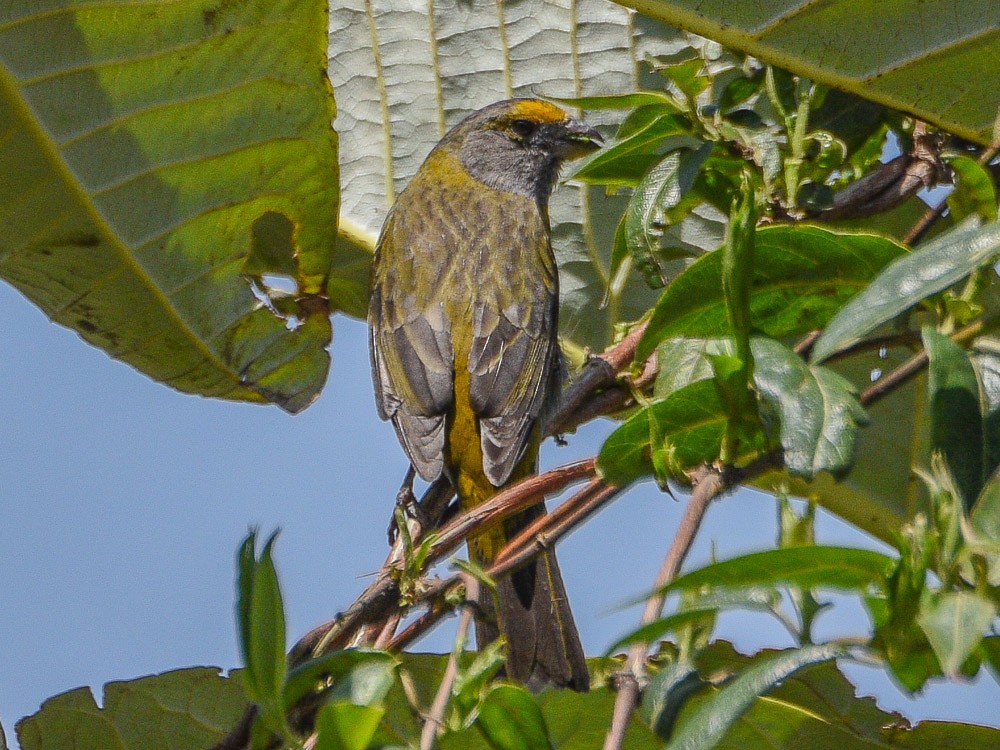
518	145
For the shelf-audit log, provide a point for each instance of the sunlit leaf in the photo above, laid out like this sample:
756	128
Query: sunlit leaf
691	422
808	567
910	279
802	275
703	728
186	708
936	61
512	720
149	150
975	193
818	409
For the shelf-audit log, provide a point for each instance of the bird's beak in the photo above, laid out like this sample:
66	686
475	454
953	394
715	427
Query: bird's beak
580	138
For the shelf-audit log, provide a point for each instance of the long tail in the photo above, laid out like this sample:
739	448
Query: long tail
533	614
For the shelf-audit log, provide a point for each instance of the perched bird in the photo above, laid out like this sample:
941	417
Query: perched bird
464	353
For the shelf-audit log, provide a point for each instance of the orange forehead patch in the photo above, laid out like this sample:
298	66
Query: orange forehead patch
537	111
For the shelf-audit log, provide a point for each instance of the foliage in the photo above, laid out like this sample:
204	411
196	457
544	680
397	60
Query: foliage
793	318
188	168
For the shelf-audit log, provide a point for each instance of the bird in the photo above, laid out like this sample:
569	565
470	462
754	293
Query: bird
464	348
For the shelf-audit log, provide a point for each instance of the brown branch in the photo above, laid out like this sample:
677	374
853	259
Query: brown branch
918	362
710	484
936	212
541	534
597	374
890	183
435	718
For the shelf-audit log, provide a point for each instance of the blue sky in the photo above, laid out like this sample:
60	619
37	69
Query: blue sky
124	503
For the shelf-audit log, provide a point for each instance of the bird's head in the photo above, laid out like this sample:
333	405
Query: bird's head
518	145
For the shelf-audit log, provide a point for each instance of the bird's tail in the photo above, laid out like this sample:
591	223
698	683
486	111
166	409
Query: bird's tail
531	610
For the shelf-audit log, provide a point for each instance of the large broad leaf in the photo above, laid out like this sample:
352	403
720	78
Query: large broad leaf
939	61
403	75
802	275
155	152
184	709
817	707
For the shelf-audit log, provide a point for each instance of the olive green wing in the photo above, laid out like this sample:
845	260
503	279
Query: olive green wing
411	358
514	359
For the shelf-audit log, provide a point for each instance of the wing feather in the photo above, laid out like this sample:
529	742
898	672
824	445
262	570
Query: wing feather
513	366
412	363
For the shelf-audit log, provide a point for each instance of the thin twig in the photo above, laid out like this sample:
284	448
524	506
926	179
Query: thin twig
709	486
540	535
936	212
916	363
709	483
382	595
388	631
598	373
435	718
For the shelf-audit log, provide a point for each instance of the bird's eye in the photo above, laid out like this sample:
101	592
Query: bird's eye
522	128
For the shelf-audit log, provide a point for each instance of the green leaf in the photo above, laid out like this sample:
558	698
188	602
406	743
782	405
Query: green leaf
187	708
802	276
937	62
942	735
984	355
472	680
955	624
909	280
985	515
262	630
668	692
705	727
975	193
368	681
128	216
658	628
625	162
578	721
738	264
818	707
510	719
246	566
345	726
956	425
737	275
819	410
360	676
662	189
990	648
808	567
690	422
